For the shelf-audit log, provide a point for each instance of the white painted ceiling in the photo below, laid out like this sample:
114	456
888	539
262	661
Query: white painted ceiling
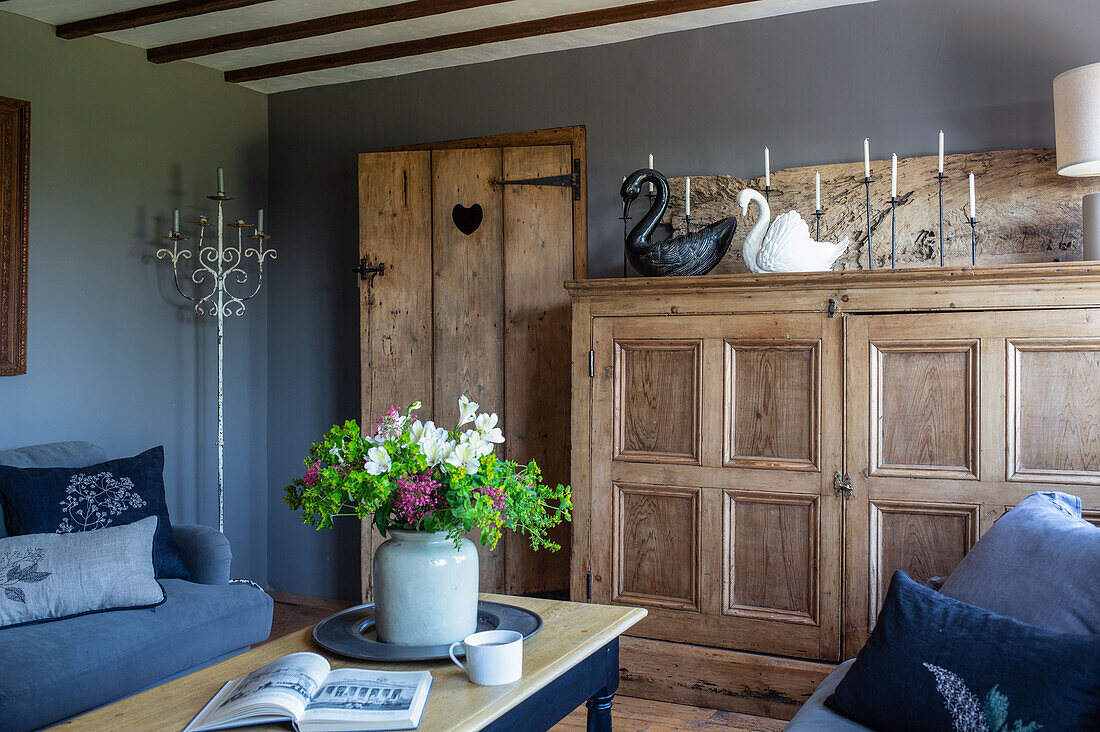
275	12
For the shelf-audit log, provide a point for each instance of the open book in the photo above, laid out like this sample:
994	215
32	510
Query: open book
303	689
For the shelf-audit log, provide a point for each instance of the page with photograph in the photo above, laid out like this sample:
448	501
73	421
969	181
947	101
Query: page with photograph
378	699
278	690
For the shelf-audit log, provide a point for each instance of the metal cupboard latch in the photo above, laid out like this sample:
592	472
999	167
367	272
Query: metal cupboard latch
842	485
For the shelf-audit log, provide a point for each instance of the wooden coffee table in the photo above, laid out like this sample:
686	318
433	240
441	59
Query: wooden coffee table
573	659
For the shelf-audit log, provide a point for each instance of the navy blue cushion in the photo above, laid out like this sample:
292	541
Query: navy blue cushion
935	663
55	670
60	500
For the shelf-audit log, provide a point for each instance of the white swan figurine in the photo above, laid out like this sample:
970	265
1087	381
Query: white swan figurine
787	245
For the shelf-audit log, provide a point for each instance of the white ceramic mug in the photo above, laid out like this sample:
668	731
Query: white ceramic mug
493	657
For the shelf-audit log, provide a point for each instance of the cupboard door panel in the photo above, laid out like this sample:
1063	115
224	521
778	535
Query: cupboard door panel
657	546
923	400
657	401
922	539
1054	410
771	548
709	452
772	403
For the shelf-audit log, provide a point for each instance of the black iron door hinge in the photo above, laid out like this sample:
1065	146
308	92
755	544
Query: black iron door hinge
589	587
573	180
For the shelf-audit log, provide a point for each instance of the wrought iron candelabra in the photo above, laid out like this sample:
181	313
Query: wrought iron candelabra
219	268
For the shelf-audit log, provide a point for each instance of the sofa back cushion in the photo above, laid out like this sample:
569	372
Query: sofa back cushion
51	455
934	663
54	576
114	492
1039	563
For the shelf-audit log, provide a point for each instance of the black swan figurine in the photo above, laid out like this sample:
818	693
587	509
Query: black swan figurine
694	253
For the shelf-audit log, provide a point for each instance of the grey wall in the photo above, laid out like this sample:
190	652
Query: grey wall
811	86
113	356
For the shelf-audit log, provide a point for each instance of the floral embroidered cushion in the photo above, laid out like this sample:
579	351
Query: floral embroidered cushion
935	663
1039	563
112	493
55	576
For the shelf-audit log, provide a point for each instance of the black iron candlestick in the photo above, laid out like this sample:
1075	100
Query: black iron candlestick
870	251
687	223
817	215
973	241
941	176
768	193
893	232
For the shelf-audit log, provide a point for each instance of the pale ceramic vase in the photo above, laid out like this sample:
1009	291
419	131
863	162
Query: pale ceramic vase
425	590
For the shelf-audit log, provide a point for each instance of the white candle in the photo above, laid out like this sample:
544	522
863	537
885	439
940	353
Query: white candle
652	186
894	176
260	220
221	181
651	160
866	157
941	151
817	191
687	197
767	168
176	220
972	214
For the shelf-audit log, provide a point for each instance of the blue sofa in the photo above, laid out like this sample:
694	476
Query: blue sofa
57	669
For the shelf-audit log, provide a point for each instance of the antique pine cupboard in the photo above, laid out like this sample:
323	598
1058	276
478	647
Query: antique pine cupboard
755	455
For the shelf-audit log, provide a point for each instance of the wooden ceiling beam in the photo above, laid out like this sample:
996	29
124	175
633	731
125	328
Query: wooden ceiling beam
311	28
479	37
149	15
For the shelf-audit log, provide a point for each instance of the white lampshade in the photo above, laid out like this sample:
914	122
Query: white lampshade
1077	120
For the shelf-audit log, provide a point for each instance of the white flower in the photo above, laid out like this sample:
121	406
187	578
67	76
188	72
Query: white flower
418	430
493	435
486	422
474	439
378	461
465	456
374	439
436	450
466	410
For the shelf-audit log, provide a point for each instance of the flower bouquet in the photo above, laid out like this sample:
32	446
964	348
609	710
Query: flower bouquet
425	487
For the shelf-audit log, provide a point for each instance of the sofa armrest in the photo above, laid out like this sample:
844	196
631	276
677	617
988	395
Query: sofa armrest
205	551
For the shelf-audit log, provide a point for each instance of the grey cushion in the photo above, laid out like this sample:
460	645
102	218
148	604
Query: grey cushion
205	551
1039	563
814	716
51	455
58	669
50	576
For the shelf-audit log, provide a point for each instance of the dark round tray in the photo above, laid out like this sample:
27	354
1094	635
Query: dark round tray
351	632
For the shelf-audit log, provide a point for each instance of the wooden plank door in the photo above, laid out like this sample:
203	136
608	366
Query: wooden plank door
537	341
951	419
395	310
467	314
472	302
714	439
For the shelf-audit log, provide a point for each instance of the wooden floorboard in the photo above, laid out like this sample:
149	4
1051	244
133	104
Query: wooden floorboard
628	714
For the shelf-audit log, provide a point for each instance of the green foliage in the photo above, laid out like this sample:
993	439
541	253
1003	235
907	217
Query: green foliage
996	709
346	475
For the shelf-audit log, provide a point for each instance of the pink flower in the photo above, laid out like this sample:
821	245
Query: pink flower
313	474
496	497
415	498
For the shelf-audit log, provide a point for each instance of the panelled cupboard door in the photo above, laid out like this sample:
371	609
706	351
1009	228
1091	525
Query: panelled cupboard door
951	419
713	447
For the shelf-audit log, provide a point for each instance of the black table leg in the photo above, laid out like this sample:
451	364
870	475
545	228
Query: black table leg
599	711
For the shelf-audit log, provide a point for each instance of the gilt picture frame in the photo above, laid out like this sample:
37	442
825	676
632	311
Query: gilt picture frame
15	148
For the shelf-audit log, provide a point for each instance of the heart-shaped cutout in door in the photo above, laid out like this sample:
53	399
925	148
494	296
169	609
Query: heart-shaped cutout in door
467	219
